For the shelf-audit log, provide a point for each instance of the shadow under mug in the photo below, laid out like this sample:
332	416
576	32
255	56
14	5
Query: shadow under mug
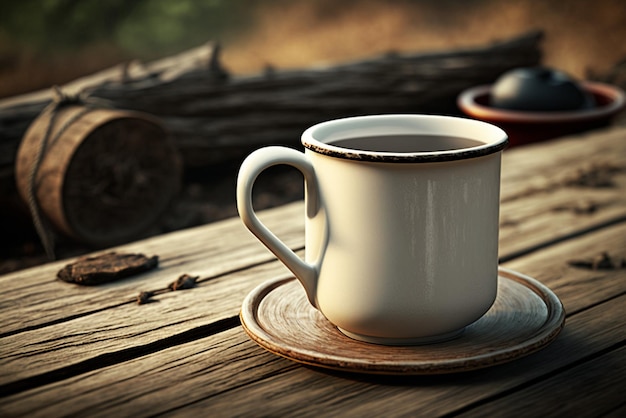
401	228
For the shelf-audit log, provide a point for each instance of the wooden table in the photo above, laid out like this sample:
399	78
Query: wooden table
93	351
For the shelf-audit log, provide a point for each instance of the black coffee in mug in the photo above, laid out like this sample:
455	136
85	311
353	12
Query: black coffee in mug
407	143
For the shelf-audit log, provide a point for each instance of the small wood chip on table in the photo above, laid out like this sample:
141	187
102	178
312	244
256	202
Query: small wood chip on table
68	349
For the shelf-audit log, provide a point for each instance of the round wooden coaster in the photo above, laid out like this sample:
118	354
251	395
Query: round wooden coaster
525	317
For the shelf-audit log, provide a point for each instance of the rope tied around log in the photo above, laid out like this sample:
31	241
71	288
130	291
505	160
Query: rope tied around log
60	99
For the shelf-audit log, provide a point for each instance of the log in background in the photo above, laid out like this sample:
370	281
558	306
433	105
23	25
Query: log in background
213	117
216	119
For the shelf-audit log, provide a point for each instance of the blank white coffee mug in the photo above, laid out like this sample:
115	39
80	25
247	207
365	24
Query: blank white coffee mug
401	223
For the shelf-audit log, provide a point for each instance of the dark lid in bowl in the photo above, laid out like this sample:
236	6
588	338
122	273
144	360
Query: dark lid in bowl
539	89
476	102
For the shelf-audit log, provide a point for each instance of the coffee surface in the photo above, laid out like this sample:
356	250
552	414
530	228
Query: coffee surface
407	143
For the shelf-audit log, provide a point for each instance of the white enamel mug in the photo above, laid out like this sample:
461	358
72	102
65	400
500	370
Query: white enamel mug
401	232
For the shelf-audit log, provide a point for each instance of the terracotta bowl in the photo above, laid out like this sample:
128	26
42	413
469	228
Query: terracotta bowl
526	126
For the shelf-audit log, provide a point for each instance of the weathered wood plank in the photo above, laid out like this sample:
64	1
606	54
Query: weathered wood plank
228	375
115	330
588	390
534	212
307	392
213	368
591	328
209	251
127	325
560	161
578	287
551	190
100	311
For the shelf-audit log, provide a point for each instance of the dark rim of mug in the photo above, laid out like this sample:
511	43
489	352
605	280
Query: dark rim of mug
498	143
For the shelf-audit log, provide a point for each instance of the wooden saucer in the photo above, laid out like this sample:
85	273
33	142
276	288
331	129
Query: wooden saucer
525	317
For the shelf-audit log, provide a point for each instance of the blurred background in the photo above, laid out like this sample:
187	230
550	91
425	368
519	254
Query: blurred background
43	42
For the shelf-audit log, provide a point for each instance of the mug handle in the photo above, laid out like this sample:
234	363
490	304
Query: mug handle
252	166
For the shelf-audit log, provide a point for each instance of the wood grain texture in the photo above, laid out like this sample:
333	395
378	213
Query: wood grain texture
119	327
104	176
128	325
525	317
308	392
213	117
93	350
582	337
545	198
587	390
228	375
210	252
532	215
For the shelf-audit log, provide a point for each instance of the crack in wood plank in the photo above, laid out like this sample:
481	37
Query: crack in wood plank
562	238
235	391
175	341
115	357
239	284
537	380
